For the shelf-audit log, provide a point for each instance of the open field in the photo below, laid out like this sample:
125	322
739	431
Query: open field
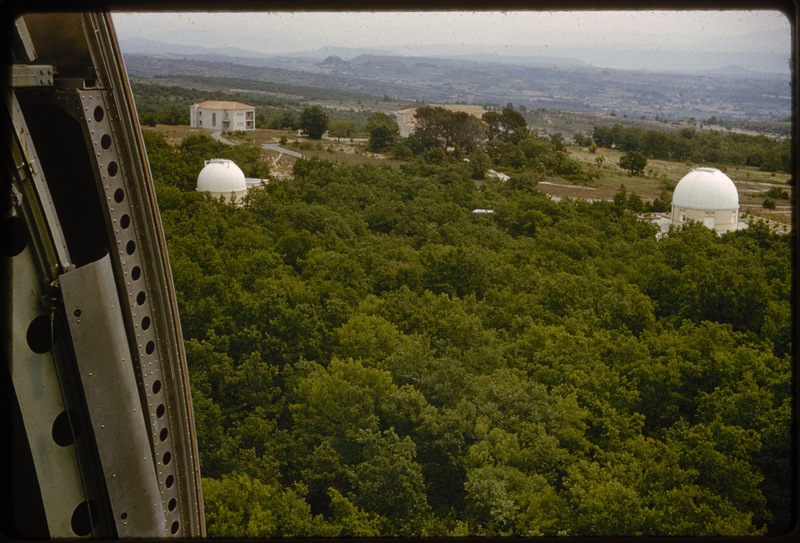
176	134
660	174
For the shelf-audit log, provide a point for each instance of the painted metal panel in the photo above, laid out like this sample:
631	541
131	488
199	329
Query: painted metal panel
36	384
109	384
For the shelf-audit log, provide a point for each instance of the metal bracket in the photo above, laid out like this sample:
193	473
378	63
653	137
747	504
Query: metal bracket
23	75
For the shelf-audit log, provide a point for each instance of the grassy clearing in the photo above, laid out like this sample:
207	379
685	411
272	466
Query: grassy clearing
659	174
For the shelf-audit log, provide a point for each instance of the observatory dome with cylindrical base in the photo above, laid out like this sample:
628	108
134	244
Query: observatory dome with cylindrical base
706	196
222	177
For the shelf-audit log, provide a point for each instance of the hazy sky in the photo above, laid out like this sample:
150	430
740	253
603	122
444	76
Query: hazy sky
542	32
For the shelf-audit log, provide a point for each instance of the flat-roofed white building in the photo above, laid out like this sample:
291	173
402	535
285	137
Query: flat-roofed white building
221	115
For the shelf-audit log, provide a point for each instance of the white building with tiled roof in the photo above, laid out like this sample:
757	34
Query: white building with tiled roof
407	122
221	115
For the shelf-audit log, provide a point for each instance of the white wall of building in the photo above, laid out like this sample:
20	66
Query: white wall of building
720	220
215	116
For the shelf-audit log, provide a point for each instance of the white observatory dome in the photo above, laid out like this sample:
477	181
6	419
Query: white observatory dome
706	196
706	189
221	176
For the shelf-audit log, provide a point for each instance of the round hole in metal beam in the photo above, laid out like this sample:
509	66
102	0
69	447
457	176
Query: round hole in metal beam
166	458
136	273
141	298
156	386
175	527
13	236
119	194
173	503
84	518
130	248
160	410
39	335
113	168
63	432
150	347
99	114
125	221
164	434
145	323
105	142
170	481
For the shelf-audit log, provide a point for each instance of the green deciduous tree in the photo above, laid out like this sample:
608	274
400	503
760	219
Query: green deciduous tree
383	131
341	129
508	125
634	162
441	128
237	506
480	162
314	121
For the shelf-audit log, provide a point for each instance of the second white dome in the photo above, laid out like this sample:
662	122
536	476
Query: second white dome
706	189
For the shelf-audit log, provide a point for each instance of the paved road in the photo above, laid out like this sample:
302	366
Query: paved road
278	149
218	136
268	146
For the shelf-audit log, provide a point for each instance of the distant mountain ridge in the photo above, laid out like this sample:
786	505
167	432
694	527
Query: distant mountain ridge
536	60
144	46
575	56
733	94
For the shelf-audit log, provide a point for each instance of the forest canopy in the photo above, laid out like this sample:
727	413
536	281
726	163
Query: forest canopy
370	358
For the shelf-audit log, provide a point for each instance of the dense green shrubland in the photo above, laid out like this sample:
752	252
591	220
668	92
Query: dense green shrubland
368	358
